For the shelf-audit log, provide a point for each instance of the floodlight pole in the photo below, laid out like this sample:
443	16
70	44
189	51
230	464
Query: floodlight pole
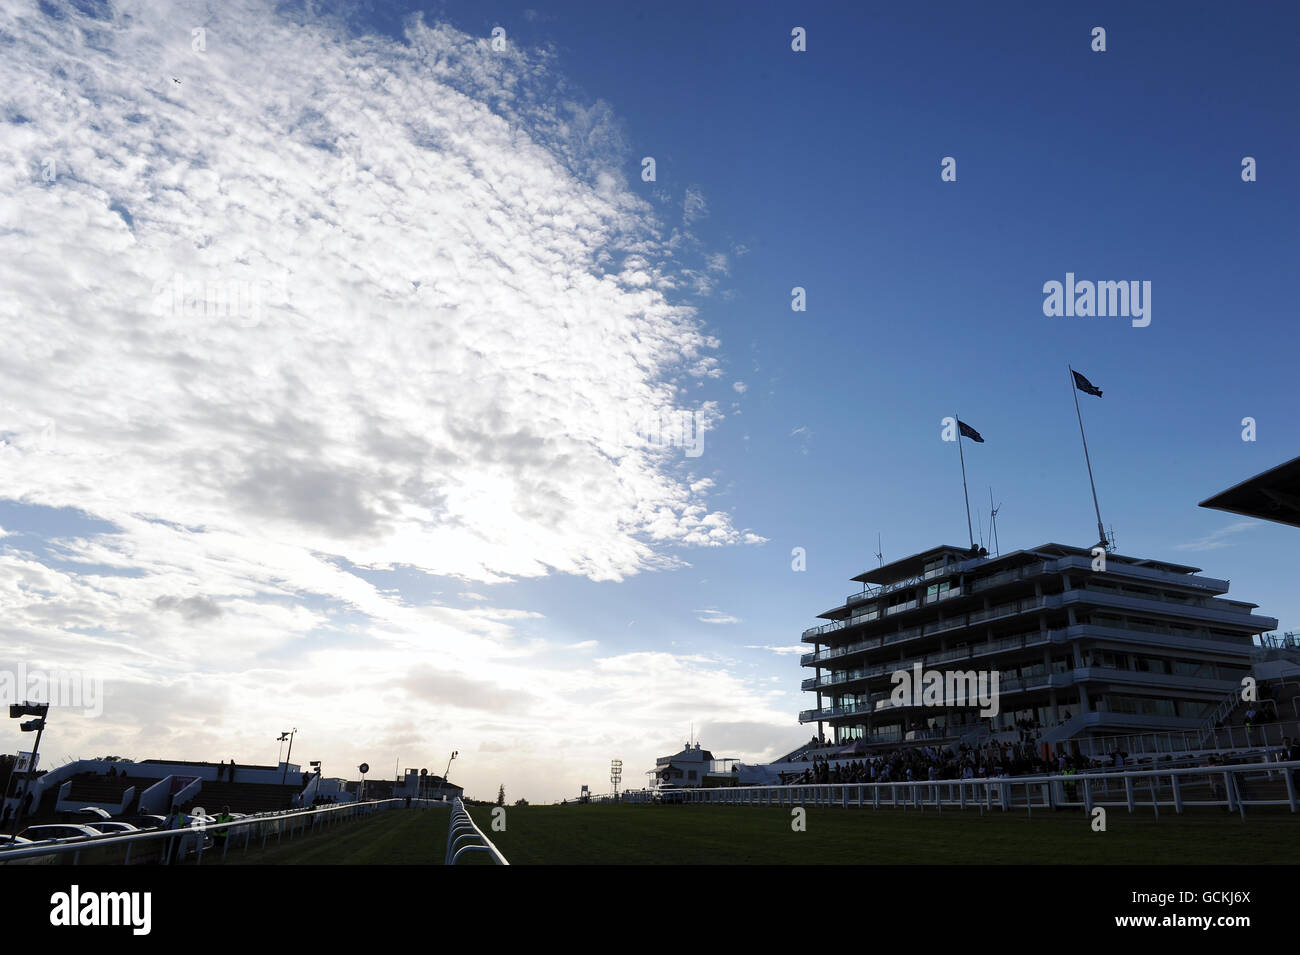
285	775
27	777
445	772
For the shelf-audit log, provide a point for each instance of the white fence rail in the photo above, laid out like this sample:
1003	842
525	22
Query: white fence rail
462	829
1231	787
175	846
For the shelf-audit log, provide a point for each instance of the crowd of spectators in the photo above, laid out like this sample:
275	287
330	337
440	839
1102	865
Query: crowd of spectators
927	763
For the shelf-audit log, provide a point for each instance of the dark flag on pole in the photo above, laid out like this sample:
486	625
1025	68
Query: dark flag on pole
968	432
1087	387
1084	385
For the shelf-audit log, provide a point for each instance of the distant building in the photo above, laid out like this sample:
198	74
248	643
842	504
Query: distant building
428	787
375	789
693	767
1141	646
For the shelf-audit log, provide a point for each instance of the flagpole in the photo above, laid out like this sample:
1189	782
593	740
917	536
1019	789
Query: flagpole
1074	390
962	455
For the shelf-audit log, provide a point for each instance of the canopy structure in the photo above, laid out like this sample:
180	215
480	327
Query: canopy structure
1273	495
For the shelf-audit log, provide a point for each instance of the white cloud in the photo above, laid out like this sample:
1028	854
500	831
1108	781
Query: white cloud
716	616
372	307
787	651
694	205
1219	538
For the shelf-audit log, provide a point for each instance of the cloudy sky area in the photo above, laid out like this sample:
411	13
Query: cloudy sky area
327	346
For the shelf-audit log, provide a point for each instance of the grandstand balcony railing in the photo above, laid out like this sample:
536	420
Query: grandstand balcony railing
1233	787
157	845
961	622
1019	641
1039	569
1220	739
1282	641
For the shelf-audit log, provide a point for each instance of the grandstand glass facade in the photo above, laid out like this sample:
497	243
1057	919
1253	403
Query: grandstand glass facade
1079	649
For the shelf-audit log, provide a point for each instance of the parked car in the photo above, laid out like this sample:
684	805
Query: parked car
146	821
93	811
56	831
112	827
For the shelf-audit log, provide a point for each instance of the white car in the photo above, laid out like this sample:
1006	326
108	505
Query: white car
111	827
55	832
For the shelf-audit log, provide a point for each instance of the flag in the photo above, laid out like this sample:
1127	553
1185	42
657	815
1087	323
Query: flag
1084	385
968	432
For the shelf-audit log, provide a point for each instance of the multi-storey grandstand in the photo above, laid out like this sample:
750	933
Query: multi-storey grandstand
1139	647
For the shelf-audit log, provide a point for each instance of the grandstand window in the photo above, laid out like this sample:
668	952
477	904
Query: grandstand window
903	601
937	591
1142	707
869	612
934	568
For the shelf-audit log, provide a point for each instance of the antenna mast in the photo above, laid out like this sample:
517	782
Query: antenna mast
993	521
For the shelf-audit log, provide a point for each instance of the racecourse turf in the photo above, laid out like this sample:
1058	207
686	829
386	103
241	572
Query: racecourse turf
737	835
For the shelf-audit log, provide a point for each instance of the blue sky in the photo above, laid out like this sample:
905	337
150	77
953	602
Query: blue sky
925	297
417	521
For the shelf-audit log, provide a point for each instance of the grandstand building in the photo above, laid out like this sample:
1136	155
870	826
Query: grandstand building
1140	646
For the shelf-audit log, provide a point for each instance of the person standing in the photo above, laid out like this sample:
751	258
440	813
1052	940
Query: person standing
175	822
219	837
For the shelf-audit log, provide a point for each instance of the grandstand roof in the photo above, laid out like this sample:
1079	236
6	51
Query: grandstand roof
1273	495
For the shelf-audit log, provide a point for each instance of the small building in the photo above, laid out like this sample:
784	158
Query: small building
427	787
693	768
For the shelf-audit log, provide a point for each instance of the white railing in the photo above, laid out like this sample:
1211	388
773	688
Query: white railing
197	839
1159	743
185	795
1226	786
462	828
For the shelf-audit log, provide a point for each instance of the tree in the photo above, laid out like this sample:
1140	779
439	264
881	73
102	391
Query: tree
501	795
521	802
